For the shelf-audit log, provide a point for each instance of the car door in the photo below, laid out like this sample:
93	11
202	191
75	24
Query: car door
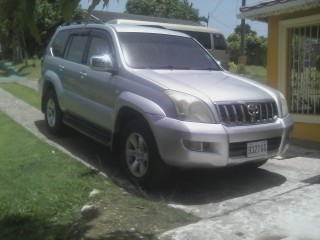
69	69
96	88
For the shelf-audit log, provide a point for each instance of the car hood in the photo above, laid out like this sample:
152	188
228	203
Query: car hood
216	85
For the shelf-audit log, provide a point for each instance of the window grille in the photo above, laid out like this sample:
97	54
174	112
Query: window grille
304	70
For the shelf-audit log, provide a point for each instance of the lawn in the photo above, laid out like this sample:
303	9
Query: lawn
257	73
31	70
43	190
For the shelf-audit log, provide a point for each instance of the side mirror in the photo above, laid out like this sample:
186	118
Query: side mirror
101	63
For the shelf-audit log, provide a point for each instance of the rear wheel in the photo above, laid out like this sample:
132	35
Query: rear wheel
140	157
53	113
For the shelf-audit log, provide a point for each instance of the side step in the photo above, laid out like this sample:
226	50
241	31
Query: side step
95	133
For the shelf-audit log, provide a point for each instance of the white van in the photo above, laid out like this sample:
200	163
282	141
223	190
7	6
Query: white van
210	38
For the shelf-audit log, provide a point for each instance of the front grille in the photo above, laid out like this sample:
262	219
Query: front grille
232	114
239	149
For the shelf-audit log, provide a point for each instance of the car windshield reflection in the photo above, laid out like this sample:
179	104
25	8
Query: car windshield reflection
158	51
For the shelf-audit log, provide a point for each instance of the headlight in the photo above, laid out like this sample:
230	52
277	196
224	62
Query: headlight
190	108
284	106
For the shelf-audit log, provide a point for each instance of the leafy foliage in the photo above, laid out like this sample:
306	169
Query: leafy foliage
24	11
24	24
256	49
247	29
256	46
165	8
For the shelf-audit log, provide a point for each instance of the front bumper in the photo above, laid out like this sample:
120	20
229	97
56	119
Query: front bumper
220	145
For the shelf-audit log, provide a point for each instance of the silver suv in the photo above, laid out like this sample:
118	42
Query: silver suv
159	100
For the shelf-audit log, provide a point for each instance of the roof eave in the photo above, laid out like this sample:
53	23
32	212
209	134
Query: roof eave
262	14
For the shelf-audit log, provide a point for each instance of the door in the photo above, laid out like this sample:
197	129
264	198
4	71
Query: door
96	90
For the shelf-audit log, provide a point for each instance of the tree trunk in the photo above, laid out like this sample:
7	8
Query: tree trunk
24	47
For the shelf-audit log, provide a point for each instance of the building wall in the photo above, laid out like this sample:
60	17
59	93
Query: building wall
275	65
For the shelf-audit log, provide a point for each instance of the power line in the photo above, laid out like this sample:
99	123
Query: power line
216	7
226	25
210	14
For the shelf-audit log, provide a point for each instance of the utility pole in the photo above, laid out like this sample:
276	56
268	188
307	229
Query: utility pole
243	24
242	60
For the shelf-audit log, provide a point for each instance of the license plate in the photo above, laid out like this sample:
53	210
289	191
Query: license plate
257	149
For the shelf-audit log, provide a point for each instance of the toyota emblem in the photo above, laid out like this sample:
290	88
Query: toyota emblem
253	111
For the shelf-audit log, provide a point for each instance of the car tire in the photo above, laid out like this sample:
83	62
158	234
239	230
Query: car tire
53	114
140	158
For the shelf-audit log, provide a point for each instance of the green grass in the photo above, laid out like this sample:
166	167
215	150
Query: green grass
43	190
2	73
257	73
31	71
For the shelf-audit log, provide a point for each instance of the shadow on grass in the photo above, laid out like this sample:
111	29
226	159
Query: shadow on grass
22	68
118	235
14	227
86	150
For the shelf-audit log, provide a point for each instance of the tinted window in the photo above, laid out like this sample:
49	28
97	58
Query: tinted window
59	44
202	37
76	48
157	51
219	42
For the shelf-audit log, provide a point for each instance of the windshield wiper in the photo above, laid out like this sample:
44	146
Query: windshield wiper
207	69
171	67
161	67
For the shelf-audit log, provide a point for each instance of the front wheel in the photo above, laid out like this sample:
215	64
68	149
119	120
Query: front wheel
53	114
140	157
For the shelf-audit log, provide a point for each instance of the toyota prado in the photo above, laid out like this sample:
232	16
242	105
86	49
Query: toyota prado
159	100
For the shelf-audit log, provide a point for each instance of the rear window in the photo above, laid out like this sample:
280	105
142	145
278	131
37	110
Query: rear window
59	43
219	42
202	37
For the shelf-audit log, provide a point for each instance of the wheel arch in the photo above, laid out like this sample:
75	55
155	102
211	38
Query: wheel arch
131	107
125	115
50	82
48	86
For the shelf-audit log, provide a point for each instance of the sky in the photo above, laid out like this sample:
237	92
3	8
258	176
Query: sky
222	13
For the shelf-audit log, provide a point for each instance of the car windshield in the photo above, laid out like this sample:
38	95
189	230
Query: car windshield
160	51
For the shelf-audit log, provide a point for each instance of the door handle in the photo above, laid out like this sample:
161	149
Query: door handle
83	74
61	67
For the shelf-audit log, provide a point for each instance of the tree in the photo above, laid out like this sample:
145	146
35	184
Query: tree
23	23
24	10
256	46
234	46
247	29
256	49
165	8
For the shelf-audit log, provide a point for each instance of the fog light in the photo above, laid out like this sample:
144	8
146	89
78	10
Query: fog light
193	145
197	146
